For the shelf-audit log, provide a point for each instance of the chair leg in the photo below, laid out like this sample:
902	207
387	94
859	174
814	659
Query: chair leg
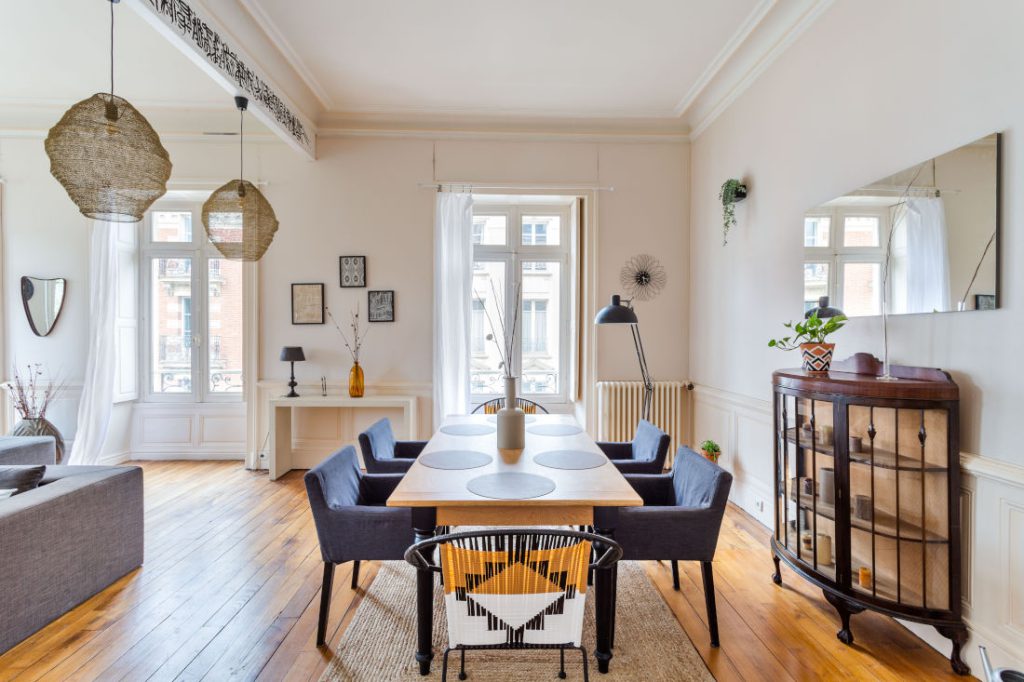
709	599
355	574
586	668
444	665
675	576
325	603
561	663
462	665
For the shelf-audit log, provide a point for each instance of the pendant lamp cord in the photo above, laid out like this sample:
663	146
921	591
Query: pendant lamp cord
111	51
241	144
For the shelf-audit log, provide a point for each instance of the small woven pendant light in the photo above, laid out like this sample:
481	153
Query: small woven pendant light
238	218
107	156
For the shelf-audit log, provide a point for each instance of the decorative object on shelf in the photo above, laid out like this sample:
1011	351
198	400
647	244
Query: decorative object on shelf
809	336
823	549
43	300
711	450
307	303
825	433
511	419
356	379
894	514
352	271
292	354
621	312
381	306
998	674
107	156
733	191
24	391
856	444
985	302
238	219
642	277
323	386
807	541
824	310
807	485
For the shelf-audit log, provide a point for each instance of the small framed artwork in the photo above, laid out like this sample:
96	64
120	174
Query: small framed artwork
307	303
984	301
352	270
381	306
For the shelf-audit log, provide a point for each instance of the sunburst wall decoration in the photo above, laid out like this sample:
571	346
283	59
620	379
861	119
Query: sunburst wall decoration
643	277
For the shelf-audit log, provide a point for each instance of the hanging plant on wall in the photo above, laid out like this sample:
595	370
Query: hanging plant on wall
733	191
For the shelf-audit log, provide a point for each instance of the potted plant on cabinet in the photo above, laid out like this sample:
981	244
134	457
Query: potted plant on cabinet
733	191
710	450
810	337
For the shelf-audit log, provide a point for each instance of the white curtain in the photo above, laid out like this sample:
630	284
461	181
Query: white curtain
453	287
98	386
927	256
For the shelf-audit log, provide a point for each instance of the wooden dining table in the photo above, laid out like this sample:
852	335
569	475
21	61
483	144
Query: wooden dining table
442	497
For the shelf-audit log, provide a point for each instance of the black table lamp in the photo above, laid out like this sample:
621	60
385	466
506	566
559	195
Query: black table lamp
292	354
621	312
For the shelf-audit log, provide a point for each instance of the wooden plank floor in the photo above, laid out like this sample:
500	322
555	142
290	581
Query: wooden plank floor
230	589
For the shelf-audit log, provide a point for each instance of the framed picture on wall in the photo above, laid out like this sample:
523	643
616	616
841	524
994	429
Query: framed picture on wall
307	303
984	301
352	271
381	306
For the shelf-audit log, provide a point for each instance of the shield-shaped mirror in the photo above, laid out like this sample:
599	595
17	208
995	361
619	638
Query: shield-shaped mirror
43	300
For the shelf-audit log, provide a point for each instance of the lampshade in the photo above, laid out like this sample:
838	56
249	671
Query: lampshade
616	313
292	354
824	309
108	158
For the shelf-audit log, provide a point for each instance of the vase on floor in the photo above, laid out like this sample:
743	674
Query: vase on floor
40	427
356	381
511	420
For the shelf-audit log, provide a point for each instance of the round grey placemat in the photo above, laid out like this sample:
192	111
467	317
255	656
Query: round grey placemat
467	429
510	485
454	459
530	418
570	459
554	430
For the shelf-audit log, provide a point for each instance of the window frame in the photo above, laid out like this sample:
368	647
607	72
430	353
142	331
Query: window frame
836	254
513	253
201	251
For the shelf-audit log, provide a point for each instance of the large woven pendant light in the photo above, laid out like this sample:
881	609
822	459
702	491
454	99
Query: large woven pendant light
107	156
238	218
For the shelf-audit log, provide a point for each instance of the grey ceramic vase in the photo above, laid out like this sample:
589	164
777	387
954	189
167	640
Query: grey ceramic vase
511	420
40	427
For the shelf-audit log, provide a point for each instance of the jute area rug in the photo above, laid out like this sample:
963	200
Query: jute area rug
381	639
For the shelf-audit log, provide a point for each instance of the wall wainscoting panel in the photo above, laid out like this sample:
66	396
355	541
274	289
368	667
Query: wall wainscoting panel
188	431
992	504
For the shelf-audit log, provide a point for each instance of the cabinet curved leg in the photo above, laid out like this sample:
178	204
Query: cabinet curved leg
957	633
845	609
777	576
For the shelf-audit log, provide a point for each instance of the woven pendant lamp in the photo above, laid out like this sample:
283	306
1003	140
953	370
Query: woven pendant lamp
238	218
107	156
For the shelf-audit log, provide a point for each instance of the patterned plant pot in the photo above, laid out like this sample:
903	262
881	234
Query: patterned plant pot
40	427
817	357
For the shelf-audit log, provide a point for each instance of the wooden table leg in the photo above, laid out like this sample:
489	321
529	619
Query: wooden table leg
604	595
423	523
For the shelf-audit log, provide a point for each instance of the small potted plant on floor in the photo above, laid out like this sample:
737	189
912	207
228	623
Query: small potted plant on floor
810	337
733	191
710	450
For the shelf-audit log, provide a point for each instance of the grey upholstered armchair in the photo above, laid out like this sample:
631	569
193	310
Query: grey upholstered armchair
382	454
645	454
352	523
679	521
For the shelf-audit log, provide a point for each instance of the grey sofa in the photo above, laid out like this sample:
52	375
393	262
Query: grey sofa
63	542
27	450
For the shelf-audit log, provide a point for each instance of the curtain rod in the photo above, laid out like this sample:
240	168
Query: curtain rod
471	186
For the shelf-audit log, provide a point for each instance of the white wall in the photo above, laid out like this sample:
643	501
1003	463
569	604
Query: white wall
871	88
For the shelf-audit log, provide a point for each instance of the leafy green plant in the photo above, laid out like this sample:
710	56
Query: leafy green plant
732	191
711	450
811	330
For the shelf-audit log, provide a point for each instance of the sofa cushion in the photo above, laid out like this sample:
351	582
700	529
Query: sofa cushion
21	478
31	450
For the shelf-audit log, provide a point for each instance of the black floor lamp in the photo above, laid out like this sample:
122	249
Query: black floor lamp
621	312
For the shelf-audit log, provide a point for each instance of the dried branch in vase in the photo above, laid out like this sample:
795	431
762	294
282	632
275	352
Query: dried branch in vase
356	345
508	331
25	391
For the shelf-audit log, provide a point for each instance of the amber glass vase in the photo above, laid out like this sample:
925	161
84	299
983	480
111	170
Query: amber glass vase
356	382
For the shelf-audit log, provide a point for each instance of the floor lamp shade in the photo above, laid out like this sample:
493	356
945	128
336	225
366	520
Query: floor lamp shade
108	158
239	221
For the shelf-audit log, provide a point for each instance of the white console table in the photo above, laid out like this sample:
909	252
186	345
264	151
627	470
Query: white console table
280	414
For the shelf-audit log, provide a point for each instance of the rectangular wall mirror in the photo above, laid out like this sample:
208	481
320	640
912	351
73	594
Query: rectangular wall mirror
938	222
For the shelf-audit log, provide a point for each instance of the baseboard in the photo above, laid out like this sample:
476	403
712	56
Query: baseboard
112	458
188	456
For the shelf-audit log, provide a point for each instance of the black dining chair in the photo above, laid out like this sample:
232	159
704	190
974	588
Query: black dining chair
382	454
645	454
680	520
352	521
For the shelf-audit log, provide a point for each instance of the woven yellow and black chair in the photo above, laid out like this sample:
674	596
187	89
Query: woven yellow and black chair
514	588
527	406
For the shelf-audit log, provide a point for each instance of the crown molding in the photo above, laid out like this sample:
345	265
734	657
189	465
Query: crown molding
502	135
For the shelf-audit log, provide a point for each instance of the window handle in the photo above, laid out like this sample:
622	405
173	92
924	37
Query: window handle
196	341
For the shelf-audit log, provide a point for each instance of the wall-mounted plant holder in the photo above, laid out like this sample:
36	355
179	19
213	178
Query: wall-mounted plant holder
733	191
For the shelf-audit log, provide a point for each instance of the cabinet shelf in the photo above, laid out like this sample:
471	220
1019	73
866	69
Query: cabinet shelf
885	523
884	459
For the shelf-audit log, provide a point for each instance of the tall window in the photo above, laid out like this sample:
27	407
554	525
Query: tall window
525	248
844	252
192	311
